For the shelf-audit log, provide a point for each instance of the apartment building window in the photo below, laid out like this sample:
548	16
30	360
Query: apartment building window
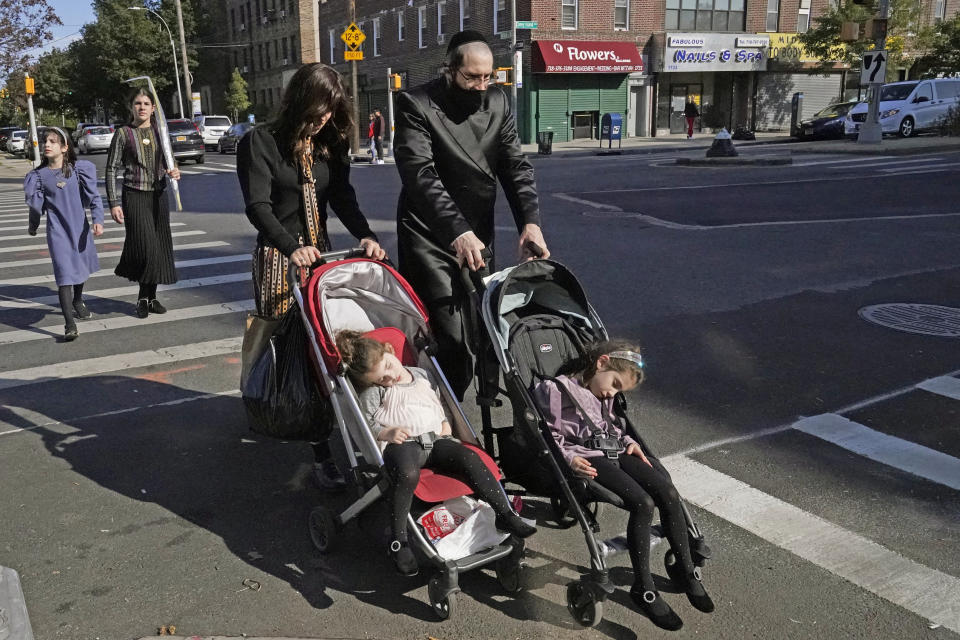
233	22
260	56
568	14
236	60
400	25
257	15
286	52
500	17
421	27
464	14
773	15
803	16
376	36
362	44
333	45
939	10
706	15
621	15
441	16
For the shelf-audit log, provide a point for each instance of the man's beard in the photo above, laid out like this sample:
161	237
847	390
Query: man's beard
468	100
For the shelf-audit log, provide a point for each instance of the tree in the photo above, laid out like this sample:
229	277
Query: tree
24	25
236	96
52	72
904	34
944	53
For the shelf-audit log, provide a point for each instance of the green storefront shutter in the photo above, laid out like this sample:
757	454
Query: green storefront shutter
613	94
552	106
584	92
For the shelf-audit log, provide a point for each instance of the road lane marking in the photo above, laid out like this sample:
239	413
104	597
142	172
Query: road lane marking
26	415
944	385
30	247
838	161
928	593
124	322
118	363
113	254
42	232
53	301
941	168
913	458
589	203
179	264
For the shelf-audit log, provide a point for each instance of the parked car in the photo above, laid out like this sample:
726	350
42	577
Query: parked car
5	136
229	140
826	123
186	140
16	141
75	134
95	138
909	107
212	128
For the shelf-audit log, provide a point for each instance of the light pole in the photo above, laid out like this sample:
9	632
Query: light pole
173	49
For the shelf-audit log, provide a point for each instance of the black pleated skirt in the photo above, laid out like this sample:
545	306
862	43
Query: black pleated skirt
148	246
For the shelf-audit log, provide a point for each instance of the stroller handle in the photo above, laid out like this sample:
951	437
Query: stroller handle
329	256
535	249
472	280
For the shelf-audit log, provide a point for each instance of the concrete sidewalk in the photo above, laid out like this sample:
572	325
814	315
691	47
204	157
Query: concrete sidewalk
11	167
660	144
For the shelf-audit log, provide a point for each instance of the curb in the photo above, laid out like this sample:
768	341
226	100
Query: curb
585	153
706	162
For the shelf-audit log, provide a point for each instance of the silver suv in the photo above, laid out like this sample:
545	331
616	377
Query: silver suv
211	128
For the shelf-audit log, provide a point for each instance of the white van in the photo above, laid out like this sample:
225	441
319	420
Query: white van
908	107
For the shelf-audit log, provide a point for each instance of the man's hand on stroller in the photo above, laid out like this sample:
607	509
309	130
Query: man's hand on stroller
633	449
373	249
395	435
532	235
468	247
582	468
305	256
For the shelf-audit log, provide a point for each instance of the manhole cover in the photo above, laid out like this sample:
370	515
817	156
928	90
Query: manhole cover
927	319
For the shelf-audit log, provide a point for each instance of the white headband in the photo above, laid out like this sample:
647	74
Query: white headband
631	356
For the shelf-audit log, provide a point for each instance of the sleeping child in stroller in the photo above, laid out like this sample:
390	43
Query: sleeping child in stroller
593	443
403	408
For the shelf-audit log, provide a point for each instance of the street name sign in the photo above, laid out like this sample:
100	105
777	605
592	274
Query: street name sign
526	24
873	67
353	37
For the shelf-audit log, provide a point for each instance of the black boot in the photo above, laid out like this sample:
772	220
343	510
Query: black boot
404	559
652	605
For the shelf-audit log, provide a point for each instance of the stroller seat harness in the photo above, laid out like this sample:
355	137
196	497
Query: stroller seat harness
599	439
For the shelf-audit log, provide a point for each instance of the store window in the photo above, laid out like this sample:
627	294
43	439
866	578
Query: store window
803	16
773	15
568	14
621	15
706	15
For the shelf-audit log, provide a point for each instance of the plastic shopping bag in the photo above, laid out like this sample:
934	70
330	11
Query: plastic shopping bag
280	396
476	532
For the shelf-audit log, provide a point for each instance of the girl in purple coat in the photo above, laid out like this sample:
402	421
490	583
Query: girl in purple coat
575	414
64	189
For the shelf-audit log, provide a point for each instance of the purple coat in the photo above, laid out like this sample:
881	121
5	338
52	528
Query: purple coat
568	427
65	201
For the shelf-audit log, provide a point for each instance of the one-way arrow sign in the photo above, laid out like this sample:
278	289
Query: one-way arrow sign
873	69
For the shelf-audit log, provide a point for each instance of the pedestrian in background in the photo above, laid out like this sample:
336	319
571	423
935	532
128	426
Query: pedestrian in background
379	126
287	168
691	113
64	189
371	140
455	139
142	205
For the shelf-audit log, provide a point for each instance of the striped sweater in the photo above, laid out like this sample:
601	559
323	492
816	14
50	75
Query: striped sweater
139	152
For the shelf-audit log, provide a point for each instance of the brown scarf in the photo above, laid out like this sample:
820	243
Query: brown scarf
316	230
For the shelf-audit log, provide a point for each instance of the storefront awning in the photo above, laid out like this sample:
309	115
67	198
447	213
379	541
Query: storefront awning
575	56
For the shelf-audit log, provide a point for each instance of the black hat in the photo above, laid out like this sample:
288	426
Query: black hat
464	37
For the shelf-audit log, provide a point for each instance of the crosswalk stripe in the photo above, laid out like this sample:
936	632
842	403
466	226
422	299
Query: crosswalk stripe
895	165
53	300
206	169
913	458
940	169
179	264
42	232
929	593
114	254
121	362
814	163
944	385
123	322
37	247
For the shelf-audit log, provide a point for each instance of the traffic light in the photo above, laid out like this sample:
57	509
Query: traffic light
28	86
396	82
3	94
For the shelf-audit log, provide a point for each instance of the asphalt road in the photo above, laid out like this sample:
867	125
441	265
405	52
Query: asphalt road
827	481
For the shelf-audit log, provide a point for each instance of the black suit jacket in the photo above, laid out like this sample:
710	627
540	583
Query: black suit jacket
450	163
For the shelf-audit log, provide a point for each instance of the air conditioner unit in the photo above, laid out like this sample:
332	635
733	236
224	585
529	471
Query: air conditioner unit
441	38
246	69
283	13
286	61
243	27
264	19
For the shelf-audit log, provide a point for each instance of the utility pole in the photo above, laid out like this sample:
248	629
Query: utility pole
390	105
186	68
513	61
355	136
871	132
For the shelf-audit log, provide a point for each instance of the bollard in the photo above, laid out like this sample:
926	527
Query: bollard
14	622
722	146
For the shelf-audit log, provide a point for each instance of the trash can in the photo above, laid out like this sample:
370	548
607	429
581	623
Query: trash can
545	142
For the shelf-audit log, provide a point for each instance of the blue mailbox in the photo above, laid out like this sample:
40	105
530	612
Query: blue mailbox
611	128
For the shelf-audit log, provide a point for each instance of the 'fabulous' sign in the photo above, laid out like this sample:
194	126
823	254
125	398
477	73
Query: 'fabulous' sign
715	52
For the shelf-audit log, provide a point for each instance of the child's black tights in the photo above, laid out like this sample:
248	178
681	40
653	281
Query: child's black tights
642	488
404	461
148	290
70	295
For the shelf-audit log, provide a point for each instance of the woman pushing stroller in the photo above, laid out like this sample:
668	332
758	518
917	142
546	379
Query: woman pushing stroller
578	408
408	421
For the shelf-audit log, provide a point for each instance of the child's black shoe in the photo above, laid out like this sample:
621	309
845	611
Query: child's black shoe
696	593
81	311
652	605
514	524
404	559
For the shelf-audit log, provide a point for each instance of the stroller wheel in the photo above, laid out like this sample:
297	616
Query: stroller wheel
510	574
445	606
323	529
561	513
583	605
